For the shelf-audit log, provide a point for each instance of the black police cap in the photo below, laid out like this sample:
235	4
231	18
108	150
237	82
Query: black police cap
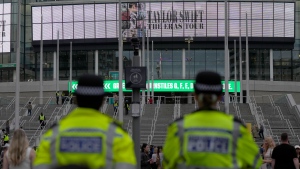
90	85
208	82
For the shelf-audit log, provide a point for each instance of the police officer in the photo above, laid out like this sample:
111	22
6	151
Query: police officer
86	136
5	138
42	119
127	107
57	97
208	138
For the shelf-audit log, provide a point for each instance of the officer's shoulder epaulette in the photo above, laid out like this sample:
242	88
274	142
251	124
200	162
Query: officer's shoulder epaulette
118	124
175	121
53	125
236	119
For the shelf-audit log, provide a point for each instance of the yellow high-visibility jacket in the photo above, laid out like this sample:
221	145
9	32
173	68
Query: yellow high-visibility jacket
86	137
209	139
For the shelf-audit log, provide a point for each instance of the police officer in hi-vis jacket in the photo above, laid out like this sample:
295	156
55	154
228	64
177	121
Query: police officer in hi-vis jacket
208	138
87	137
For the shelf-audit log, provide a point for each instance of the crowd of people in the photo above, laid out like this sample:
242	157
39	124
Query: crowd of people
151	157
206	138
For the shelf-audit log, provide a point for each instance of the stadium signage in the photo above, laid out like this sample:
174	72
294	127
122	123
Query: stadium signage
188	19
161	86
163	19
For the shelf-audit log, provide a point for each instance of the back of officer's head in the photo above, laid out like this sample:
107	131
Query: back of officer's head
90	91
208	88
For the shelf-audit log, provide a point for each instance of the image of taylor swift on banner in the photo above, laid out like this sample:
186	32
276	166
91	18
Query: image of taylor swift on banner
132	19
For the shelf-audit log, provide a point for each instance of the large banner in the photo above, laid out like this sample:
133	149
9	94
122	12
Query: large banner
164	19
5	22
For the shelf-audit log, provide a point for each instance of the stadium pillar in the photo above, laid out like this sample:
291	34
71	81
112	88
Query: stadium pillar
152	73
241	67
121	99
96	62
71	67
247	63
18	41
148	68
41	63
136	110
54	66
183	64
271	65
226	60
57	62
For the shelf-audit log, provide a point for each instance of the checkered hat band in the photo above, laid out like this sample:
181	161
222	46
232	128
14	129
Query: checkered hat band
89	91
208	88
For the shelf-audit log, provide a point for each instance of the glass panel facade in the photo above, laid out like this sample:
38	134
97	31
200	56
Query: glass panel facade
266	19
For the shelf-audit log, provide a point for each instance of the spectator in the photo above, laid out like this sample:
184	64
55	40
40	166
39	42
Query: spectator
261	151
116	104
71	97
268	147
7	126
3	151
145	160
161	157
261	131
29	108
284	156
150	100
155	158
63	97
42	119
2	135
116	97
57	97
19	154
151	151
297	147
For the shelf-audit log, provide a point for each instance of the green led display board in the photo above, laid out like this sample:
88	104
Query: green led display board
161	86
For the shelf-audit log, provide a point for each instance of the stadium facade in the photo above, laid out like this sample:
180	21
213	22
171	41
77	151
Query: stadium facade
92	27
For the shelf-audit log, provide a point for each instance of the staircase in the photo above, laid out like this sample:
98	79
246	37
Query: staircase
165	117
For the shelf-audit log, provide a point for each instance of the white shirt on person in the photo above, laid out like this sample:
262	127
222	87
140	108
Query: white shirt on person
154	157
25	164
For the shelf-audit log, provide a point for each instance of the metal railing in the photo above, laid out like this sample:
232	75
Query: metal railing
153	126
35	113
11	103
290	127
277	138
48	102
287	121
298	138
237	110
176	114
55	116
259	116
11	117
129	127
271	132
